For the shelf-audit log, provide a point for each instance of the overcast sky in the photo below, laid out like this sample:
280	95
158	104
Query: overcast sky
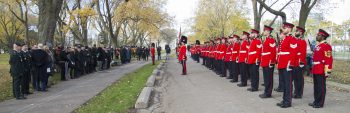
183	10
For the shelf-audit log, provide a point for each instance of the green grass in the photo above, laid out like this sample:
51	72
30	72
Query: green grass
121	96
340	72
6	79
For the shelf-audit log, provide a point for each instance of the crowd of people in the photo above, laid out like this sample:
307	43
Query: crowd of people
37	63
242	57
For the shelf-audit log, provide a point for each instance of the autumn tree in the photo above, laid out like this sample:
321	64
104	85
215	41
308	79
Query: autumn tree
218	18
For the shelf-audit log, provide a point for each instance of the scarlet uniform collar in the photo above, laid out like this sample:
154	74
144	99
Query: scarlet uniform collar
323	41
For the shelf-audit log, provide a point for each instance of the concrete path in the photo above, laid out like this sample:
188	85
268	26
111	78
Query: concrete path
202	91
69	95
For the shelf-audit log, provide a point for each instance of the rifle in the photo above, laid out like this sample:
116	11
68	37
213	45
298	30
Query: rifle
278	39
310	45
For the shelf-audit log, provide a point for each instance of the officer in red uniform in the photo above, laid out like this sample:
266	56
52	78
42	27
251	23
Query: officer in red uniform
216	57
268	60
234	58
228	56
299	63
221	58
182	54
321	69
254	55
211	54
286	52
153	51
197	50
242	59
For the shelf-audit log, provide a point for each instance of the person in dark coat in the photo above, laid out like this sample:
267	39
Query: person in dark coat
93	58
61	59
167	50
39	58
159	49
101	57
27	61
16	70
123	55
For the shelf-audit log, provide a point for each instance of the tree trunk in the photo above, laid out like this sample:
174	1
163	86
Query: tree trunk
48	15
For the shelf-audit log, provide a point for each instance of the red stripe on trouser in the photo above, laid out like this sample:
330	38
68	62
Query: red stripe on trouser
322	97
184	67
290	86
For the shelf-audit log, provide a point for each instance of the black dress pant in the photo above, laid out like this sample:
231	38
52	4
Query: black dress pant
254	76
298	80
243	71
288	87
268	80
319	89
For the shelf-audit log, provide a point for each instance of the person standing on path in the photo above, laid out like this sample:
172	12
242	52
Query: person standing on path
242	58
299	63
322	66
268	60
153	51
286	52
254	55
27	62
182	54
159	52
16	70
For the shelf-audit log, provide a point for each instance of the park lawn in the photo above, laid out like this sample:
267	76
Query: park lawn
6	79
121	96
340	72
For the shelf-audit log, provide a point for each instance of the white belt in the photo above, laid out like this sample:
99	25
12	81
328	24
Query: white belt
254	52
221	52
283	53
228	53
315	63
234	52
299	54
267	53
242	51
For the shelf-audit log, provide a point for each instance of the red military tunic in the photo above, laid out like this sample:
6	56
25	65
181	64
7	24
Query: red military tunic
243	52
254	52
217	51
301	52
286	52
153	51
182	53
268	55
228	54
235	51
223	50
322	58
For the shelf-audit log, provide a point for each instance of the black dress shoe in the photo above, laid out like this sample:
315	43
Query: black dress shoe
21	98
311	104
234	81
278	90
317	106
252	90
279	104
285	106
262	84
297	97
264	96
241	85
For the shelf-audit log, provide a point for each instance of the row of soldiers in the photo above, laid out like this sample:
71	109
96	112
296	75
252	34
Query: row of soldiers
243	56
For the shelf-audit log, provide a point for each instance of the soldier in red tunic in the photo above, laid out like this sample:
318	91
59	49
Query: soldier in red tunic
321	69
216	56
228	56
234	58
153	50
221	57
242	59
254	55
286	52
182	54
299	63
197	50
268	60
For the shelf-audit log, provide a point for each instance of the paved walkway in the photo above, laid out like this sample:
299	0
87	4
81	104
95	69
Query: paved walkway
68	95
202	91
